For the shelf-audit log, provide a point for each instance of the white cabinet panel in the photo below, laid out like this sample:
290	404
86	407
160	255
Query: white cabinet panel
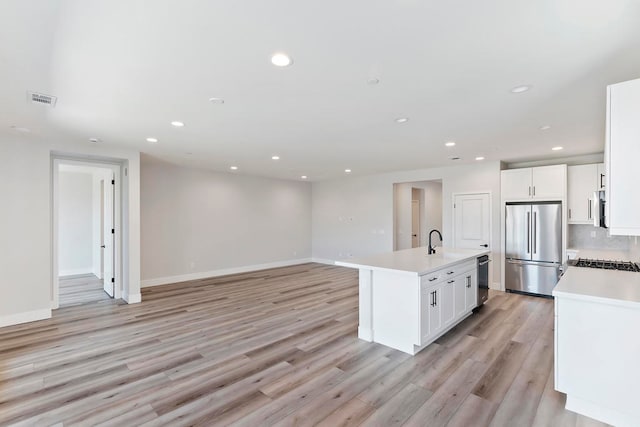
539	183
549	182
460	296
447	302
582	181
516	183
435	300
471	289
622	153
601	177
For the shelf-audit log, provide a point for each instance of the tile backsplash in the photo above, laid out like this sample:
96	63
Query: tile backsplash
580	237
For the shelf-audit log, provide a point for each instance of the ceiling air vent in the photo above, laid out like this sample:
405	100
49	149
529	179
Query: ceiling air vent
42	99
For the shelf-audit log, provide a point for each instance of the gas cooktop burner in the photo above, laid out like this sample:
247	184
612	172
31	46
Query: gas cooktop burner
605	264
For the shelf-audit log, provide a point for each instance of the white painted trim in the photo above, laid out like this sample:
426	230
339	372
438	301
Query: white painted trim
27	316
76	272
222	272
323	261
133	298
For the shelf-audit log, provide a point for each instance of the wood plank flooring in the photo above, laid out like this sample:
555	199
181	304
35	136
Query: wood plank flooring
275	347
76	290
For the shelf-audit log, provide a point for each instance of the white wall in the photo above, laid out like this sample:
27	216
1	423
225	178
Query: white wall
354	215
75	225
26	244
198	223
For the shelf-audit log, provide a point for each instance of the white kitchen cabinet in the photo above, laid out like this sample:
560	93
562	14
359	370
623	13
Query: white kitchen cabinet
622	152
539	183
447	302
471	287
601	177
582	182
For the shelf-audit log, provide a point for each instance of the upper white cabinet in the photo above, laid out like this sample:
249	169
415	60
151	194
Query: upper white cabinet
540	183
622	154
582	182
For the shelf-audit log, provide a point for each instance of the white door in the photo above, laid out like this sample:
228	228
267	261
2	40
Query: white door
415	223
472	224
108	242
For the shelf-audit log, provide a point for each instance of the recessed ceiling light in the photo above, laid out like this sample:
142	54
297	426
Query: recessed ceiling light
281	60
402	120
520	89
373	81
450	144
177	124
216	100
545	127
234	168
94	140
557	148
479	158
275	157
152	140
304	177
347	170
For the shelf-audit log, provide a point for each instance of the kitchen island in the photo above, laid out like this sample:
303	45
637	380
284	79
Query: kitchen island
407	299
597	349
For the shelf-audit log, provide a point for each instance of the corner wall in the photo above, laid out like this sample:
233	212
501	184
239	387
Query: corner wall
353	216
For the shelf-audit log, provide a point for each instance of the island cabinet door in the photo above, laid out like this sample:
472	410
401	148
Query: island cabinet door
434	297
471	288
460	295
447	302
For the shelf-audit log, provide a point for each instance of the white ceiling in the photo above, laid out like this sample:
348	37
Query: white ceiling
123	70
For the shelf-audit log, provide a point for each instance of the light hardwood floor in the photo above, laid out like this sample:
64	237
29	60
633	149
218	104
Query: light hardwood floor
76	290
276	347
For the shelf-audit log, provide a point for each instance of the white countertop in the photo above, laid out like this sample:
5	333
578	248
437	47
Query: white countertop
603	286
414	261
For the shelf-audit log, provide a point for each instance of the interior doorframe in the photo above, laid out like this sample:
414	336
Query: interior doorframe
453	222
118	218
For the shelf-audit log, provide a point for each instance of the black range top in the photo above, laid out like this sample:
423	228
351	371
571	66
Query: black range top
605	264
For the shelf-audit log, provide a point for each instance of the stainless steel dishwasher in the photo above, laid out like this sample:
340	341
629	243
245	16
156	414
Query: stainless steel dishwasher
483	279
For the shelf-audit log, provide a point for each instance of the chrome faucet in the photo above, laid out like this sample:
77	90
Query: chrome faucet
431	249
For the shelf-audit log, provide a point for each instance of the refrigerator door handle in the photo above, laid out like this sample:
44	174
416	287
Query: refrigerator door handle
528	232
538	264
535	229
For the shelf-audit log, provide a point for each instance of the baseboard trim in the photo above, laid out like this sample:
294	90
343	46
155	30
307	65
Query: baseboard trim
222	272
132	298
323	261
75	272
25	317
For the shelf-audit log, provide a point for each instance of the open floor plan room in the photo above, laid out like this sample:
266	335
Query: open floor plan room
276	347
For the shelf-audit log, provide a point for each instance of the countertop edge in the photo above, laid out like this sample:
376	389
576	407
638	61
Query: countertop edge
596	299
411	272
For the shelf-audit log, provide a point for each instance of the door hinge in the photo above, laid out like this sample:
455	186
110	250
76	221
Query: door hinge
113	231
113	182
113	280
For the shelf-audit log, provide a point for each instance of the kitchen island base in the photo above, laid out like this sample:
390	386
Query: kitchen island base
408	310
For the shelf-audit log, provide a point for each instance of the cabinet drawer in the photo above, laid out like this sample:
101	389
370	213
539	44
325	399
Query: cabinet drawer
432	278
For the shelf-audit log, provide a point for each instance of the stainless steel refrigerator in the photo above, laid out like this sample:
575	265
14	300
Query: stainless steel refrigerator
533	247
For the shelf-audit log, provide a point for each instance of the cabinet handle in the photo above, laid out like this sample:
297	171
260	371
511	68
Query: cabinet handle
529	190
534	190
433	299
468	281
601	178
589	206
569	213
433	278
450	272
451	281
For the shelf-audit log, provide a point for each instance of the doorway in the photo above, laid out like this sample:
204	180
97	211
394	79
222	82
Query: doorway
417	210
86	246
